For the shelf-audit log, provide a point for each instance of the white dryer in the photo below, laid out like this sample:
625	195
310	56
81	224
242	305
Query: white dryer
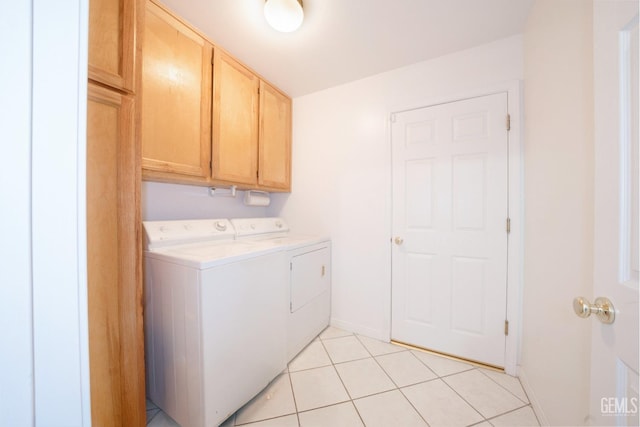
309	276
215	318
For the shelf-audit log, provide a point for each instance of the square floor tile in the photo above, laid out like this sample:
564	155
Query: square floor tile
364	377
441	406
345	349
333	332
340	415
441	365
388	409
313	356
151	413
507	381
483	394
377	347
405	369
162	420
274	401
286	421
317	387
520	417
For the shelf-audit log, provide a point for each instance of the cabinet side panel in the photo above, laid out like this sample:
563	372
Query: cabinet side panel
103	261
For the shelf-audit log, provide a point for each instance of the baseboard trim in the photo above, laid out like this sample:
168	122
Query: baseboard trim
359	329
535	403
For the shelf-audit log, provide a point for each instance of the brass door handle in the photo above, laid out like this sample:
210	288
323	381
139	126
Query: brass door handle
602	308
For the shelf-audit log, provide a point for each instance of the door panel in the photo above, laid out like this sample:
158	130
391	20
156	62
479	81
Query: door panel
176	98
614	354
114	292
450	210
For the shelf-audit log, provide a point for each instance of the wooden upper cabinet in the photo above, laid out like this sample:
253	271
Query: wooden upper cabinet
235	119
176	99
112	26
274	158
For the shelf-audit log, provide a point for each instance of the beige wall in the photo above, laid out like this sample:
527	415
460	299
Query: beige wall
559	174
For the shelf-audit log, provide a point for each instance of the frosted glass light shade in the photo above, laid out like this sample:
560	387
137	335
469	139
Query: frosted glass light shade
284	15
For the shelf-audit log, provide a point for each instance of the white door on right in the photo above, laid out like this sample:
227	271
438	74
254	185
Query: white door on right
614	353
449	257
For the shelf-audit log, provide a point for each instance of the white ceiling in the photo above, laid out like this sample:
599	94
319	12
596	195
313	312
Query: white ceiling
345	40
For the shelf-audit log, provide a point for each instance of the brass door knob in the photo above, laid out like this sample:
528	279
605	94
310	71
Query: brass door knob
602	308
398	241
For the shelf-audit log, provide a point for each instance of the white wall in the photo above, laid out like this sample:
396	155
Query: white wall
16	333
341	169
558	92
44	371
162	201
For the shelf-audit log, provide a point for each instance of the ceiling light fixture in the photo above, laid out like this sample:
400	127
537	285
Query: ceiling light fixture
284	15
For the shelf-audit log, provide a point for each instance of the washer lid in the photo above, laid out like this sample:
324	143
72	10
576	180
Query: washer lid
159	234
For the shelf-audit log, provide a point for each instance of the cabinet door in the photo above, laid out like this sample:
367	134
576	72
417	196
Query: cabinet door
111	42
275	140
235	121
116	351
176	98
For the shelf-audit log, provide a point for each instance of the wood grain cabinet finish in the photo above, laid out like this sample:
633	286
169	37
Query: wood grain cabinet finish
274	148
235	118
112	40
204	124
116	350
251	128
176	99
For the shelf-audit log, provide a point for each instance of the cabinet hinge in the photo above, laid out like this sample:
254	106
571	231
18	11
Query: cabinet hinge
508	225
506	327
508	121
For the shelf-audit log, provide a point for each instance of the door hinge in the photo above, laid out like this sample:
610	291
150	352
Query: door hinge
290	266
508	121
508	225
393	118
506	327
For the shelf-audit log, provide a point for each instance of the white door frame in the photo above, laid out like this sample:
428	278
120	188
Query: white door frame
515	206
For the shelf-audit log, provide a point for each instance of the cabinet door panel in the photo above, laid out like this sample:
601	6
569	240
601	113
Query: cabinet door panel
275	139
116	352
111	42
235	118
176	97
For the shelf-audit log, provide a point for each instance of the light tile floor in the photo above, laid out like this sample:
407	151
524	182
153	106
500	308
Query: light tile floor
342	379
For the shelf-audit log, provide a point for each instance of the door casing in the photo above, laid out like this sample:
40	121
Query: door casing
515	207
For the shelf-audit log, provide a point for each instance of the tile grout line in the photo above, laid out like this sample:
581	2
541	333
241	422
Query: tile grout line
514	395
293	394
342	382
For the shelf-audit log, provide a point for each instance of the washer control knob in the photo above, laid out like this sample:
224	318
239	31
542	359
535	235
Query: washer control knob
278	224
221	226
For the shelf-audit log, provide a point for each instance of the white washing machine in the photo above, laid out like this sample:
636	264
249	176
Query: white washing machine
308	261
215	318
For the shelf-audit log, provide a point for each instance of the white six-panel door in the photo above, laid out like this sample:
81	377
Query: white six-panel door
449	245
615	389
